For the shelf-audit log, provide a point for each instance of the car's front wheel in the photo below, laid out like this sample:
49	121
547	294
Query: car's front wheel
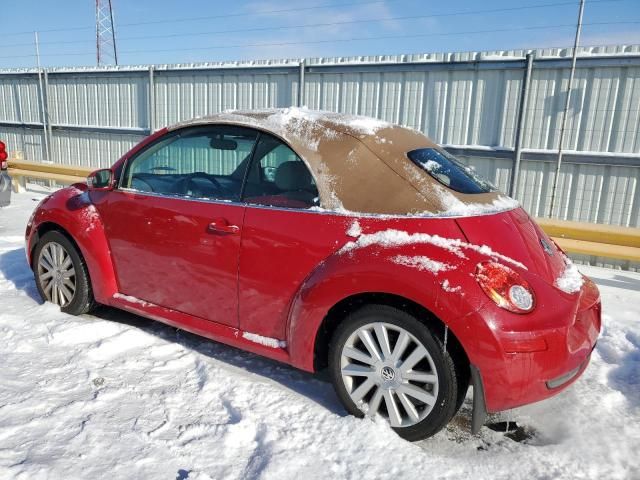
61	274
385	362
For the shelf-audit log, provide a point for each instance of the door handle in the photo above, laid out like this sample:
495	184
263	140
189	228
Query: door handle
221	225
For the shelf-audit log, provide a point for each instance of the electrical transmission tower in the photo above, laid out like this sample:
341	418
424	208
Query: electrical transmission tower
106	52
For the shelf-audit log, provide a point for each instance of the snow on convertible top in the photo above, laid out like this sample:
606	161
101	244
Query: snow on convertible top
291	118
457	208
302	123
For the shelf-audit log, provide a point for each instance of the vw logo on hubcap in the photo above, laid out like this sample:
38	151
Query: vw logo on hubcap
387	373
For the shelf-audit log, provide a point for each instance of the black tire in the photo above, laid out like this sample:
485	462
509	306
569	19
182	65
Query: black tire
448	399
82	301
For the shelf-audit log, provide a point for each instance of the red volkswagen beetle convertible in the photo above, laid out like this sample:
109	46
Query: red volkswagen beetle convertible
328	241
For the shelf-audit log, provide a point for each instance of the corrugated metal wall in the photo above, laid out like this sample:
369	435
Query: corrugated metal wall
467	101
89	149
464	107
113	100
184	95
19	99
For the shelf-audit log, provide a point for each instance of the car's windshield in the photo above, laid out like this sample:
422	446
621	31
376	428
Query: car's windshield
450	171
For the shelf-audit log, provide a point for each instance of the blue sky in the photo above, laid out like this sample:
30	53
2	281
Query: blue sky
163	31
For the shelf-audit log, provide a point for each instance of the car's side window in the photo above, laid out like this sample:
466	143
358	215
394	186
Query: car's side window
278	177
202	162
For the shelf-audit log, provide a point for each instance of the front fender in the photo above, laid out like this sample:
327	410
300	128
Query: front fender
71	208
361	271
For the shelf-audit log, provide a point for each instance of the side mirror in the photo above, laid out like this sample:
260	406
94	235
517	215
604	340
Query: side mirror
101	180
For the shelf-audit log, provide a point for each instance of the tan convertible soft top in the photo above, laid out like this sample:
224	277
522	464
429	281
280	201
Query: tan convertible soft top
360	164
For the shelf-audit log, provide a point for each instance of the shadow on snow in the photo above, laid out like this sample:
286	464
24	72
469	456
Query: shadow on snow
316	387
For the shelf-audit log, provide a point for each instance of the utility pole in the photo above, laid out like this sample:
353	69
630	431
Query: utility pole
43	105
106	51
522	114
563	126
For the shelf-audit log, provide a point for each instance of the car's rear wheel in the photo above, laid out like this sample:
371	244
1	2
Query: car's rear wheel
61	274
385	362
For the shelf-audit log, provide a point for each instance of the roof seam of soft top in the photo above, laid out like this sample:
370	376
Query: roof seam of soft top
390	167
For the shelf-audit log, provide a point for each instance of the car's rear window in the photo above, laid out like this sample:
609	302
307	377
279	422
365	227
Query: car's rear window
450	171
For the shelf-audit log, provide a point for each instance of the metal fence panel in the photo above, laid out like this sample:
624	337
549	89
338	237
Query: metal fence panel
603	115
591	193
19	99
90	149
29	141
112	100
625	135
184	95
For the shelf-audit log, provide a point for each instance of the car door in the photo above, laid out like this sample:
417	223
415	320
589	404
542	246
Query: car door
174	222
283	239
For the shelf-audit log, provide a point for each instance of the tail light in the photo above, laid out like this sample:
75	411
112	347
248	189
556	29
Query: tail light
3	156
505	287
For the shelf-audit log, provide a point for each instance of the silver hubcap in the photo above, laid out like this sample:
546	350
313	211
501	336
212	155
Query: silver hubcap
388	372
56	274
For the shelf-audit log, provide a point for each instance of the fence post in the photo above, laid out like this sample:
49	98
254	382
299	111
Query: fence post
522	115
46	112
151	101
301	84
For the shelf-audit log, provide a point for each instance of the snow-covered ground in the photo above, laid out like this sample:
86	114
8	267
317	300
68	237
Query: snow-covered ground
117	396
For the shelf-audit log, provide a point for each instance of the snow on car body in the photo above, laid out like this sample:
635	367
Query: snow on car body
322	239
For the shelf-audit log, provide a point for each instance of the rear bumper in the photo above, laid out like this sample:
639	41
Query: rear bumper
518	368
5	189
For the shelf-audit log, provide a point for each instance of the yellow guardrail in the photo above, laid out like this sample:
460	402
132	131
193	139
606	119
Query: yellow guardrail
591	232
594	239
599	249
609	241
21	170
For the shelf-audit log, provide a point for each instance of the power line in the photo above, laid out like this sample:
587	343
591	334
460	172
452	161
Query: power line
350	22
379	37
330	24
316	7
227	15
323	24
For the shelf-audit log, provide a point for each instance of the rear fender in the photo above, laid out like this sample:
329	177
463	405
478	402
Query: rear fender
71	209
344	275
